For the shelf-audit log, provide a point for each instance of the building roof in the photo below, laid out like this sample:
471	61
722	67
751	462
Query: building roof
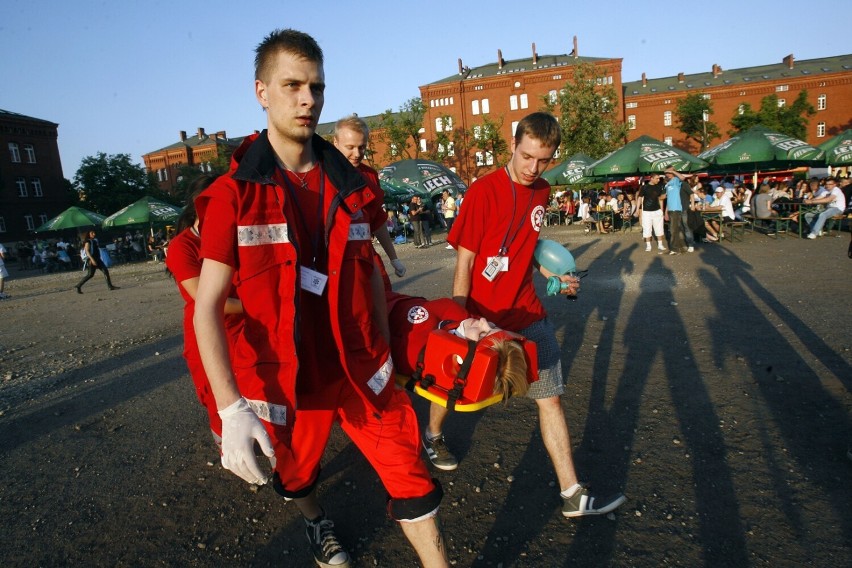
511	66
196	141
744	76
14	115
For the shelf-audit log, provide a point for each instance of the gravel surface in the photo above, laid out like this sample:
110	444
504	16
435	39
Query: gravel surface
711	388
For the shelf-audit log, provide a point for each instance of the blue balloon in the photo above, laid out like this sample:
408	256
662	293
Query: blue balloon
554	257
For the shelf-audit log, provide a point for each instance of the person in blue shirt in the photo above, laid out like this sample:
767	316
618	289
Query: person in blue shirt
680	233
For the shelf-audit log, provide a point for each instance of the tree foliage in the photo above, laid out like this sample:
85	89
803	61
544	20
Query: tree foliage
486	138
788	119
587	109
105	183
401	131
187	174
690	119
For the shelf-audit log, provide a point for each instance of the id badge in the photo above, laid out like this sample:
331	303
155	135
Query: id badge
313	281
496	265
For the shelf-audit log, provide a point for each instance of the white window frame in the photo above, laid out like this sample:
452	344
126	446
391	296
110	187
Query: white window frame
480	159
631	122
782	88
14	153
439	124
29	150
741	110
474	107
525	101
553	96
668	141
21	184
35	184
422	144
822	102
486	106
782	103
820	130
28	219
667	118
451	148
513	102
42	219
489	158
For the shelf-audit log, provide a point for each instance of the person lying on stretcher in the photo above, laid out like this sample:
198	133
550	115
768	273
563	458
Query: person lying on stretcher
434	337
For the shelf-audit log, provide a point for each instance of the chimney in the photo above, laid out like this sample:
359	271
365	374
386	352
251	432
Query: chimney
499	59
460	66
716	70
644	80
788	61
200	133
576	52
183	135
680	77
535	55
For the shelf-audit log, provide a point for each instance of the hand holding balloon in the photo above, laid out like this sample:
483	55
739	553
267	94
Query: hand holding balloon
557	263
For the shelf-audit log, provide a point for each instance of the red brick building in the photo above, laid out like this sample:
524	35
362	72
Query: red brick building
650	104
199	151
32	187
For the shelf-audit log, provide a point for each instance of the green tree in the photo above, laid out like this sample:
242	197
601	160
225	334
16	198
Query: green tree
486	138
401	130
186	174
442	146
693	122
587	112
788	119
105	183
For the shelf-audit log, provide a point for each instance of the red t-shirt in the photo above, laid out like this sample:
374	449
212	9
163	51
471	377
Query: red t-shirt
494	214
411	321
184	262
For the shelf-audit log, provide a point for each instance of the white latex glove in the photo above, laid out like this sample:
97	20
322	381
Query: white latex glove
398	267
241	428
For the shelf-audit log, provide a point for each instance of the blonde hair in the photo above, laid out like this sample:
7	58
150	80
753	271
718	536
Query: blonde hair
511	379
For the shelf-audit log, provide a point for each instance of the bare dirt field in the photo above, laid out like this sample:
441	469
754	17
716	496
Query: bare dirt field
713	389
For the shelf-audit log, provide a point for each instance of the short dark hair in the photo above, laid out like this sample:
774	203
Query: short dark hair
289	40
541	126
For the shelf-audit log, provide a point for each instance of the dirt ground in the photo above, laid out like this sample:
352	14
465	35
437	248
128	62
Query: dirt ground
713	389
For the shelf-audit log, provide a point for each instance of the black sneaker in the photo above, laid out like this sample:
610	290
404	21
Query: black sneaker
439	454
581	504
326	550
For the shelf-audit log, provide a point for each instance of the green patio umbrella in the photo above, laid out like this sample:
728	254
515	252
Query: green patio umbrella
570	171
643	156
428	177
759	149
72	218
146	211
838	150
396	194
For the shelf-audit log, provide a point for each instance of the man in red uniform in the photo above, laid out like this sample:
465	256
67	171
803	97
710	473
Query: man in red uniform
293	219
350	137
495	236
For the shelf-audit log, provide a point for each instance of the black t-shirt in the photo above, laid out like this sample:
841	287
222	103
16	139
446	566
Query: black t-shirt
650	195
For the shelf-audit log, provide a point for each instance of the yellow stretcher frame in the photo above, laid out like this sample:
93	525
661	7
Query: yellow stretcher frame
461	405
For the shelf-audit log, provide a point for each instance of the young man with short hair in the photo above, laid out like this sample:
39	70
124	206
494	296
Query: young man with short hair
495	237
651	212
292	221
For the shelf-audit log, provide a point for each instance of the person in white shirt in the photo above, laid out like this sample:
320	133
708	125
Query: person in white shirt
834	203
721	203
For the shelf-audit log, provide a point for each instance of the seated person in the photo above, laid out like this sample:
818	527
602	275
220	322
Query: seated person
413	319
722	204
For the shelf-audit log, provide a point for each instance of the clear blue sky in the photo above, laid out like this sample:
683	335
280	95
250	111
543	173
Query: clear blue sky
125	76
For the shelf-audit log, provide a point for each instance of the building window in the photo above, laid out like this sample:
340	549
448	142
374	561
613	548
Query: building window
394	150
782	103
42	219
452	100
741	109
2	225
422	144
486	108
489	159
480	159
782	88
439	124
631	105
821	102
432	103
552	96
22	186
667	118
35	183
631	122
820	130
14	153
667	102
557	77
668	140
451	149
484	158
30	152
513	102
477	132
524	101
474	107
28	219
706	96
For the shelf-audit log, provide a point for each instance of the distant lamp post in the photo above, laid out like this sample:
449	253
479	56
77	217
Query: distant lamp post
705	116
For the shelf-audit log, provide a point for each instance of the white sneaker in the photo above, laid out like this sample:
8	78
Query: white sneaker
448	247
647	248
662	248
690	249
811	236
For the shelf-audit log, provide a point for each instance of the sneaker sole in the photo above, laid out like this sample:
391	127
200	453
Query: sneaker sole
616	503
443	467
